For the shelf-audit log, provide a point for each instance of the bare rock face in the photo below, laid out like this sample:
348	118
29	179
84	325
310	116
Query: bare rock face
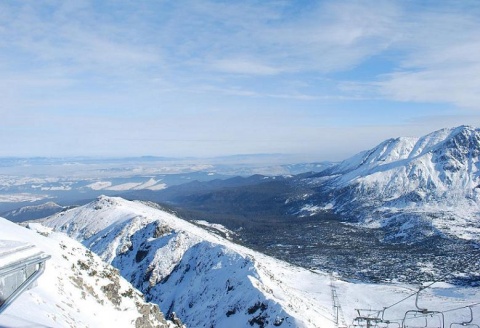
176	320
103	283
151	317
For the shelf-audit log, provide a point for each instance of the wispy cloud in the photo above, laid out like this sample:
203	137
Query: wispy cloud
62	40
243	66
458	86
161	67
322	36
441	62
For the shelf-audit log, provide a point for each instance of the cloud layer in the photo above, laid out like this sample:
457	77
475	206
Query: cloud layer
214	77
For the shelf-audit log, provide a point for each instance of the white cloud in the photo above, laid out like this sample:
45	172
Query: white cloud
57	38
278	37
243	66
156	69
441	62
335	36
459	86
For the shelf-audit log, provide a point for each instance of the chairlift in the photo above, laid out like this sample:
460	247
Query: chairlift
367	320
355	325
388	323
413	316
360	322
468	323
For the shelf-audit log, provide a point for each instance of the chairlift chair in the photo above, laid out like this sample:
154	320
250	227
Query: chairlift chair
369	320
468	323
385	323
423	313
388	324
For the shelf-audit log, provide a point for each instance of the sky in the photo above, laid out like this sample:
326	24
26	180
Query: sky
321	79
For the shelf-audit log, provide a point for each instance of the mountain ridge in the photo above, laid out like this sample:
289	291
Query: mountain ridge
77	289
156	251
434	175
208	280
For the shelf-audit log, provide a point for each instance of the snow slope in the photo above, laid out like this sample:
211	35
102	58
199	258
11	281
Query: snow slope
150	184
32	212
415	186
202	277
210	281
77	289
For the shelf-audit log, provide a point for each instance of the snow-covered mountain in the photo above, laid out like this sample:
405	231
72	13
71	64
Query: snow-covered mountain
210	281
415	187
32	212
204	278
77	288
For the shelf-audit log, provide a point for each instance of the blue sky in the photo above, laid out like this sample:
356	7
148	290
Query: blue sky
324	79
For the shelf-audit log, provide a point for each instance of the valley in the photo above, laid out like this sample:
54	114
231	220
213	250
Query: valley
207	279
229	250
240	164
328	243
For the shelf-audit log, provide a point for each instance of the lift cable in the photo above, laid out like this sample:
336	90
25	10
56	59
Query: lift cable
418	291
406	298
422	288
462	307
444	311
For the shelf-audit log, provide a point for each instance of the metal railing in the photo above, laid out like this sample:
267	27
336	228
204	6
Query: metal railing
18	276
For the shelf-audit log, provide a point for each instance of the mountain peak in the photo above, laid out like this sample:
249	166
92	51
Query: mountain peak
437	175
443	138
187	270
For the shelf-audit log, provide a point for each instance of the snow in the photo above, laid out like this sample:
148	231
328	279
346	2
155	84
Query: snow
216	227
12	251
404	178
125	186
21	197
310	210
33	208
99	185
72	292
150	184
57	188
119	225
208	280
158	186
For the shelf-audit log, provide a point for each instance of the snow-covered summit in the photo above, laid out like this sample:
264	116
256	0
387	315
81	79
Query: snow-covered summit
455	144
389	151
205	279
432	180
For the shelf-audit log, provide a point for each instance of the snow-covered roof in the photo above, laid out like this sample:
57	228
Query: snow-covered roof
21	264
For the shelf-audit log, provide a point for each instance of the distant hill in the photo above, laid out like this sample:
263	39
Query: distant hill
33	212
